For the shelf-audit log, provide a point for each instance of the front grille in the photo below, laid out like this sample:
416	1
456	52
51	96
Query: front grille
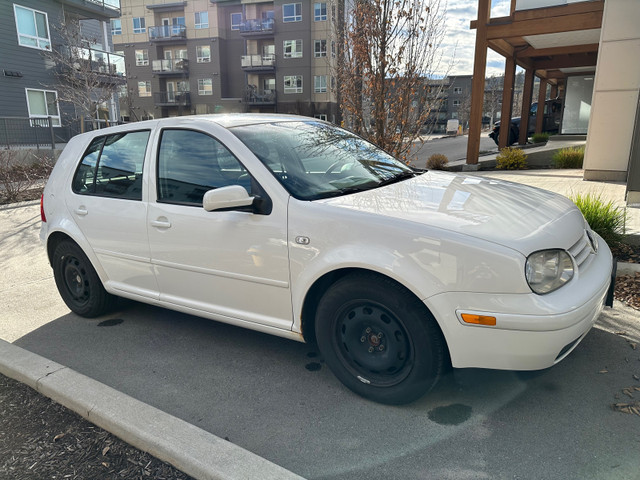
581	249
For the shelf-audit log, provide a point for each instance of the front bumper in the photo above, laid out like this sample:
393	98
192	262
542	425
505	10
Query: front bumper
532	331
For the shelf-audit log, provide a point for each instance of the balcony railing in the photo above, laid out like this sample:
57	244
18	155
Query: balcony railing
253	96
169	99
179	66
258	62
257	27
107	8
91	59
167	32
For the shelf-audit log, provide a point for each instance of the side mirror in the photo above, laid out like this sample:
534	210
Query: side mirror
226	198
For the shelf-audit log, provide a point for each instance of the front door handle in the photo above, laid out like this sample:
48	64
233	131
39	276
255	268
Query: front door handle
161	222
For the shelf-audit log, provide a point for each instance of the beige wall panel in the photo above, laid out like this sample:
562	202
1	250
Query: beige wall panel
621	62
621	19
610	130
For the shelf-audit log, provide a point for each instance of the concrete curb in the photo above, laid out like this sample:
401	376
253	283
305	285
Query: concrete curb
625	268
187	447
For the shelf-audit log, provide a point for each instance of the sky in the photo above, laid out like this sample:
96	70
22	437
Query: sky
458	46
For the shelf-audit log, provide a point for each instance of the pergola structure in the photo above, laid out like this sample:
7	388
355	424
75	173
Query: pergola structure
548	42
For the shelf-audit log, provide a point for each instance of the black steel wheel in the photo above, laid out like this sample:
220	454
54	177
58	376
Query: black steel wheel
77	281
379	339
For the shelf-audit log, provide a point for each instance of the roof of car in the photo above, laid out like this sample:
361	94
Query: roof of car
226	120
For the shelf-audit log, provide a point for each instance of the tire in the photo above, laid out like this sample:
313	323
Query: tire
78	283
379	339
513	135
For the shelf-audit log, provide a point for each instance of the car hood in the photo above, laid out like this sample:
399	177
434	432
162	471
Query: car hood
514	215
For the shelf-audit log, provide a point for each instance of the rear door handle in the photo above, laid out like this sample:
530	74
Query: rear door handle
161	223
81	211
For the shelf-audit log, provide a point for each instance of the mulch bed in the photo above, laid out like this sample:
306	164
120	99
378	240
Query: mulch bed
41	439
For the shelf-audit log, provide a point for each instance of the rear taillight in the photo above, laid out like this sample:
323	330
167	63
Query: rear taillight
43	217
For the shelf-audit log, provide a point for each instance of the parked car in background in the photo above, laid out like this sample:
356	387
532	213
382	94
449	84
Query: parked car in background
294	227
551	122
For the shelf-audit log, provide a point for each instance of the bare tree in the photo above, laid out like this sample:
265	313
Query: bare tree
493	97
85	78
390	49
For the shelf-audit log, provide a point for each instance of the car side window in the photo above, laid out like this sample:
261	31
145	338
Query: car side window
190	163
112	166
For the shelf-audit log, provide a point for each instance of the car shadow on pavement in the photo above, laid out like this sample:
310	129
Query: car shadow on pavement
275	397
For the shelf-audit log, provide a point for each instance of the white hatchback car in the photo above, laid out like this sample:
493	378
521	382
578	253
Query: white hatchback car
291	226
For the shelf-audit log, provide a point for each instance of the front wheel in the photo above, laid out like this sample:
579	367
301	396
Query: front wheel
77	281
379	339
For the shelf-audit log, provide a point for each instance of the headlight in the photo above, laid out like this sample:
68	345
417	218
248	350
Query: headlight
548	270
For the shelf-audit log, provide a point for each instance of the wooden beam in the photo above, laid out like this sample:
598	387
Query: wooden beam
567	61
542	96
507	100
559	10
527	92
477	83
550	52
542	26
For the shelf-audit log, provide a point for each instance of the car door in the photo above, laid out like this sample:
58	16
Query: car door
230	264
106	202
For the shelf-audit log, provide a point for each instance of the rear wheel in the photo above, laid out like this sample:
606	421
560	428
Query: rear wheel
379	339
77	281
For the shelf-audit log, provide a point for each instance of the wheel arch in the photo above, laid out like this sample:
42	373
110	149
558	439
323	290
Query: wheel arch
323	283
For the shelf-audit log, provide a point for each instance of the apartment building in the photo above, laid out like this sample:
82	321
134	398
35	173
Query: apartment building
28	30
210	56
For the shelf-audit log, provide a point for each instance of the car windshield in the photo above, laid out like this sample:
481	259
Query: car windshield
315	160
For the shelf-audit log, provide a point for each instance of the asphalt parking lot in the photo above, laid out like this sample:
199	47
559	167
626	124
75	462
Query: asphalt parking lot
276	398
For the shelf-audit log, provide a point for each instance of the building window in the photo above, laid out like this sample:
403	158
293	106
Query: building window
320	83
139	25
454	115
292	12
205	86
142	58
144	89
333	49
183	86
32	27
202	20
292	48
203	53
236	21
116	26
333	83
319	48
457	89
293	84
319	11
320	116
43	104
456	103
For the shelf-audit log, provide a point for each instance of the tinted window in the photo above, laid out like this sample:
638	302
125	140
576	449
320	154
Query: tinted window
191	163
112	166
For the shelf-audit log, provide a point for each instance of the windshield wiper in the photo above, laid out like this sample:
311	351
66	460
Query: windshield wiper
398	178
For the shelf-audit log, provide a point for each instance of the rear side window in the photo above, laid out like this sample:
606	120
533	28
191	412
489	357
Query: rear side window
190	163
112	166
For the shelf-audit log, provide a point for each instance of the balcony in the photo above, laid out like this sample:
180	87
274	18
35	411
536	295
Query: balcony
167	33
110	66
170	67
257	63
253	96
98	9
172	99
254	28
